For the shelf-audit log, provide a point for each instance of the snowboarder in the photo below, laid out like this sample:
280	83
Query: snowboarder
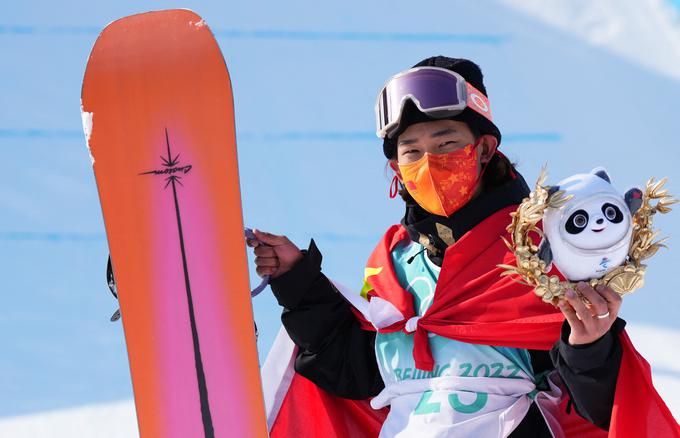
451	347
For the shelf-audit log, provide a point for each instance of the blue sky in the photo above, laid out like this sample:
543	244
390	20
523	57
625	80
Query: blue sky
305	75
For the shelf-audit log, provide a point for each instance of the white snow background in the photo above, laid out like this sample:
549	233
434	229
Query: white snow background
574	83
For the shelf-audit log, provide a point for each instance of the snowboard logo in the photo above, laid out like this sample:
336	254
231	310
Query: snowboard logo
170	166
173	172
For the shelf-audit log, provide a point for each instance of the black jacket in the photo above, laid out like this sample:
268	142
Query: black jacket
338	356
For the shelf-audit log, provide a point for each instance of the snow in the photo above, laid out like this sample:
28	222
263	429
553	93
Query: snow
660	347
117	420
645	32
87	129
199	24
106	420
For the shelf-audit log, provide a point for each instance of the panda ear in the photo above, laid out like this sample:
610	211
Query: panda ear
633	198
545	253
552	190
602	173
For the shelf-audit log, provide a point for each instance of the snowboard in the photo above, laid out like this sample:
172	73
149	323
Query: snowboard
158	117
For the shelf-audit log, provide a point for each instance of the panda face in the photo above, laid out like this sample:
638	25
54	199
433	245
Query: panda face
596	223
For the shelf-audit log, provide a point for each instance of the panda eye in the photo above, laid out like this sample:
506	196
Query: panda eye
577	222
612	213
580	221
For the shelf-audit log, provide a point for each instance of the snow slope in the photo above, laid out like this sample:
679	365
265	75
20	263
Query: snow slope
106	420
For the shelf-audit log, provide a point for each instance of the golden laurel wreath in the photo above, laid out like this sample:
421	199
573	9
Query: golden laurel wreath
623	279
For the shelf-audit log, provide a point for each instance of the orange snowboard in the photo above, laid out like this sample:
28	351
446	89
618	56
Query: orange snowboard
158	114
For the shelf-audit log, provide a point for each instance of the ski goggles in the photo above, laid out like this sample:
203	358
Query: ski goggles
437	92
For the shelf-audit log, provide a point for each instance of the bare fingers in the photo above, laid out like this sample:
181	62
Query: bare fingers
579	307
570	315
598	305
264	251
264	270
590	312
613	299
267	262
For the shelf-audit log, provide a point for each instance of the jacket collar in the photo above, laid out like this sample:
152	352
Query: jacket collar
436	233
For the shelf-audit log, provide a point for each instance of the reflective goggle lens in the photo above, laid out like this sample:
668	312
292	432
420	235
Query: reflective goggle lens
436	91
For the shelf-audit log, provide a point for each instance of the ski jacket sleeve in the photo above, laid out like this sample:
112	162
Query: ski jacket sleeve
334	352
590	372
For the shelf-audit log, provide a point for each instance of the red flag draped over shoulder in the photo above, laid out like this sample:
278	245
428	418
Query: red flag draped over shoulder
473	303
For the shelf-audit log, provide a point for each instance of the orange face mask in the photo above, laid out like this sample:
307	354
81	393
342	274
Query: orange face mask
442	183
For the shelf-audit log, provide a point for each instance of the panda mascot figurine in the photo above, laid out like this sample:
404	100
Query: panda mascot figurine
590	234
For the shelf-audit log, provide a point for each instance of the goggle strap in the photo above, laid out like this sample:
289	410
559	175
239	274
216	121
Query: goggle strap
478	102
